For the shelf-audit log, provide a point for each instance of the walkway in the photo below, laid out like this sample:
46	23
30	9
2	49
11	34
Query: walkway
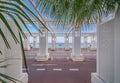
61	70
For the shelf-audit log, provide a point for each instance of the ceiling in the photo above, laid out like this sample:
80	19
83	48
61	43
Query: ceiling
51	24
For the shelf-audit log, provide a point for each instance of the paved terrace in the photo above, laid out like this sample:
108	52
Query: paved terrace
61	69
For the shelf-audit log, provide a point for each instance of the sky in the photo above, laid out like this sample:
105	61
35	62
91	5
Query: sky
85	28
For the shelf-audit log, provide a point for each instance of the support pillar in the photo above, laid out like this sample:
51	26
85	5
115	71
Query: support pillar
14	57
43	47
26	43
93	43
34	41
67	42
76	49
53	42
85	41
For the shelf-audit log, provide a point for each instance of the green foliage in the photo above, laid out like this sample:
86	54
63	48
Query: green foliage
17	12
78	11
5	78
8	78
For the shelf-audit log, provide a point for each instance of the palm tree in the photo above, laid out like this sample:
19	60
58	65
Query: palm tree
78	12
16	11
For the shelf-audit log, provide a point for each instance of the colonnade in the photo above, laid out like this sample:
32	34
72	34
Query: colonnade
86	36
76	44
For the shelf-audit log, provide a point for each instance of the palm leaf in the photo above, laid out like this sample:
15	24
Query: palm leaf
78	11
23	53
22	4
16	10
4	66
24	24
9	78
8	27
4	39
3	76
20	19
22	14
17	24
0	52
3	81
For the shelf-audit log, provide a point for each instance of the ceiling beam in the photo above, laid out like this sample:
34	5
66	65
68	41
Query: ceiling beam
40	15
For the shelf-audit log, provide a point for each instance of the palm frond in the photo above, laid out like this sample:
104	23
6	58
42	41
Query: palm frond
17	24
30	12
23	53
4	66
17	11
9	78
78	11
4	39
0	52
3	81
8	27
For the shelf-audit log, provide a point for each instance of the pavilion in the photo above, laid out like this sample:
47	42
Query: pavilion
105	40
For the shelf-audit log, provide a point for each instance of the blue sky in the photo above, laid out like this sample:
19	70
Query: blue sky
85	28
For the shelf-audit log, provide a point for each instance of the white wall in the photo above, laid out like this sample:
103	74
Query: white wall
13	55
108	56
117	48
2	47
106	51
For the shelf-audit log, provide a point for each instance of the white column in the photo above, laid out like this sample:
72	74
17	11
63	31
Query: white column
34	41
93	42
66	44
2	47
53	42
85	41
26	43
13	56
108	52
43	47
76	49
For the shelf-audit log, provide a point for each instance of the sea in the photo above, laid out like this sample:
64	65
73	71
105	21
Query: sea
58	45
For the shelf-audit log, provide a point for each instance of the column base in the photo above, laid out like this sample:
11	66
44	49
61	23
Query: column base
96	79
67	49
78	58
52	49
93	48
24	78
26	49
42	58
